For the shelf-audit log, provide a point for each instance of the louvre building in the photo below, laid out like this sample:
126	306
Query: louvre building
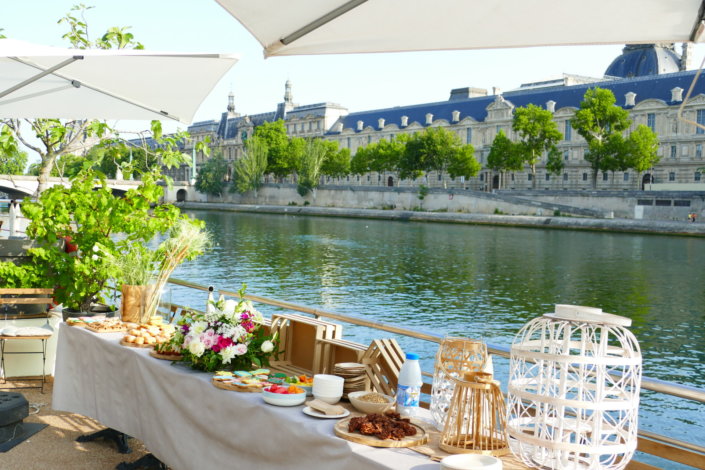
650	81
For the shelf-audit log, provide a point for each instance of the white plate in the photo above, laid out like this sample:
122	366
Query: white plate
311	412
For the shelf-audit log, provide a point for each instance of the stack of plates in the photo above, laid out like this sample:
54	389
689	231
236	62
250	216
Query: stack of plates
354	375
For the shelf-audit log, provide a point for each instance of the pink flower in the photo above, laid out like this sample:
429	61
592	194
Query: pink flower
222	343
249	326
240	349
209	339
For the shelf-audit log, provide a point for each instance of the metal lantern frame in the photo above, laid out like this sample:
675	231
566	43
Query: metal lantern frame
573	395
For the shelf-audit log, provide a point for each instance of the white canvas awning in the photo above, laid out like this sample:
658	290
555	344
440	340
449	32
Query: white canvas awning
285	27
48	82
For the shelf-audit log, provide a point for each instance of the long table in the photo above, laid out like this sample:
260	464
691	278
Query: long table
189	424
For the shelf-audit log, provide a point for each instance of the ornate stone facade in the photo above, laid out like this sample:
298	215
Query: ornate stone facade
476	116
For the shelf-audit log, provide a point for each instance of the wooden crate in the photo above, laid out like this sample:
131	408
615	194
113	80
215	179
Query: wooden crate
383	361
300	338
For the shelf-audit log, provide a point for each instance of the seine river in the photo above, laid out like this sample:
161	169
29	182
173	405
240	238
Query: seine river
475	281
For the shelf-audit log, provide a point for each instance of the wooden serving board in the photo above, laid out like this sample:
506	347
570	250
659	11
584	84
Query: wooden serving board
341	430
234	387
166	357
100	330
135	345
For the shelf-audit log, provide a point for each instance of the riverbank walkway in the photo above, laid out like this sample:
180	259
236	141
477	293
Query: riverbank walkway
665	227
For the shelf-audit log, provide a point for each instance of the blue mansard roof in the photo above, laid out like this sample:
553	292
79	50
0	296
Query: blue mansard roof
648	87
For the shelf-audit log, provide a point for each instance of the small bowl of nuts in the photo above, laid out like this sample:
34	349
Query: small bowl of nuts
371	402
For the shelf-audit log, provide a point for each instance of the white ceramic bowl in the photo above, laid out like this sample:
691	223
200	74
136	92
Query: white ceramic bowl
330	399
327	385
370	407
281	399
471	462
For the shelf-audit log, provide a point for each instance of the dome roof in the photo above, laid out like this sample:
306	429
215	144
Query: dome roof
644	59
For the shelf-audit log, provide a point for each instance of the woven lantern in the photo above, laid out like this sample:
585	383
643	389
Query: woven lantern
573	396
455	356
476	420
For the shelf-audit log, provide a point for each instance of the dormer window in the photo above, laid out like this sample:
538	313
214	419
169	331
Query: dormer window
629	98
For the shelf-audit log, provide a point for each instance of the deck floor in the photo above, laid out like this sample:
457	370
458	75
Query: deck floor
55	446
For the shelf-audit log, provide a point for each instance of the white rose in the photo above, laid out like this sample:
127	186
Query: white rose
267	347
240	349
95	257
197	348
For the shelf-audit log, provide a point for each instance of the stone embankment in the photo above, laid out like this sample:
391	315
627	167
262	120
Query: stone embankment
569	223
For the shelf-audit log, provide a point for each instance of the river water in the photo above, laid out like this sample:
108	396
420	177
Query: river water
476	281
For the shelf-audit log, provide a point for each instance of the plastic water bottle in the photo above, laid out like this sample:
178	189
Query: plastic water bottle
409	386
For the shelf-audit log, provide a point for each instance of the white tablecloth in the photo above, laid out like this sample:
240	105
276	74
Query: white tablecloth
191	425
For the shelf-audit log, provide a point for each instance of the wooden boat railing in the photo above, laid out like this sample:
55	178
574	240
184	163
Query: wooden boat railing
670	449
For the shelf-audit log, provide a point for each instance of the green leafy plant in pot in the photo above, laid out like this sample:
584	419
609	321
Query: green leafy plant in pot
101	226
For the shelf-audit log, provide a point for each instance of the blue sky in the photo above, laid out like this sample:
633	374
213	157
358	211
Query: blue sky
356	81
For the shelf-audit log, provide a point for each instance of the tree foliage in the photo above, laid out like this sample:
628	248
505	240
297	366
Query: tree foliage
250	169
12	160
309	170
381	156
440	150
538	133
100	224
504	155
601	123
642	148
273	136
336	162
210	178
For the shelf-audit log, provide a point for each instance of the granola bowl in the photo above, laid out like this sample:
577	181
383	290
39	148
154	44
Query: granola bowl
371	402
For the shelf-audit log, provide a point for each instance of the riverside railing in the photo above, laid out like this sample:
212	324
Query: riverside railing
665	447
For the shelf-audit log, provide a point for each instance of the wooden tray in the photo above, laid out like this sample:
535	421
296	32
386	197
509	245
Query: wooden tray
100	330
341	430
234	387
134	345
166	357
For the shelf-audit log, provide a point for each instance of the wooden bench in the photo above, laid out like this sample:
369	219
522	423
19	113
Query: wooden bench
19	297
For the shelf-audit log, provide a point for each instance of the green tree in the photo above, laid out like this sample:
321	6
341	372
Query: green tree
250	169
336	163
601	123
554	162
440	150
504	156
273	136
102	225
642	149
12	160
538	133
210	178
309	170
381	156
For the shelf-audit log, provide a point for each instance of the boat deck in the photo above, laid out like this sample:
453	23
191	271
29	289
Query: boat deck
55	446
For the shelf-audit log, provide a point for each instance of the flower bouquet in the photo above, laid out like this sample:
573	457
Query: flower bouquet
228	335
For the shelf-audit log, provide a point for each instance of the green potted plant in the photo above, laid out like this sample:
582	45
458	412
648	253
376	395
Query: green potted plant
101	227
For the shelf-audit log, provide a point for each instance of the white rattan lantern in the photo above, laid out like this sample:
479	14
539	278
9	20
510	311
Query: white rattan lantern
573	397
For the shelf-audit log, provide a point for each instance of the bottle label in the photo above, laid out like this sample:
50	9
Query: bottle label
408	396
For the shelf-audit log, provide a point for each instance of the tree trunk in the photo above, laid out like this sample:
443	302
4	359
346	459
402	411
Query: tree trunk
533	176
594	178
45	172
